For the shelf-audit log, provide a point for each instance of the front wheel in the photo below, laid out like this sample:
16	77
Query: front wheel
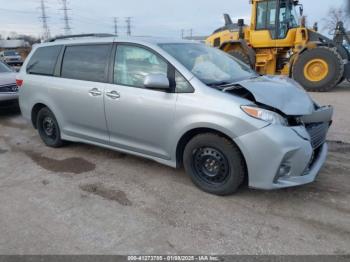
214	164
319	69
48	128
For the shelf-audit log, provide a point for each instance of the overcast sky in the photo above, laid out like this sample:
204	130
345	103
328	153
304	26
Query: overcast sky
149	17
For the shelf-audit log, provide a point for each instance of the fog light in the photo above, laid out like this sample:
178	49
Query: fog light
283	171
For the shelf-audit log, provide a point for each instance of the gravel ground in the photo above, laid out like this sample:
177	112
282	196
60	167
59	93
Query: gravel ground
82	199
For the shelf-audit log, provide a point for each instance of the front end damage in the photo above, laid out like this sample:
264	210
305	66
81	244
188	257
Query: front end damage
279	156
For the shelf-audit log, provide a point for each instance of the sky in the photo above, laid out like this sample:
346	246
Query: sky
163	18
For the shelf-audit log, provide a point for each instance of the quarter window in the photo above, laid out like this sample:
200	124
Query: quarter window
134	63
182	85
88	62
44	60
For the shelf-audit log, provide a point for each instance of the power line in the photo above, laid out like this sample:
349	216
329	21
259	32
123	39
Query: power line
128	26
44	17
116	26
67	28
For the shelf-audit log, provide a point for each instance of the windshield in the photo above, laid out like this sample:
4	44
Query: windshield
210	65
11	53
4	68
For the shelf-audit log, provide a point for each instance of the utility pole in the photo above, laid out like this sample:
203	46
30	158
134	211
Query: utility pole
67	28
128	26
44	17
191	33
116	26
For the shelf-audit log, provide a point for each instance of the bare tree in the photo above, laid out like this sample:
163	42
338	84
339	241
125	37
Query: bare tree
334	16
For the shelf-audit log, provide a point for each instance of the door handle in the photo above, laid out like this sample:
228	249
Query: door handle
95	92
113	94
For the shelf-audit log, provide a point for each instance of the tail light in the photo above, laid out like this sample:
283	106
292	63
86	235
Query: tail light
19	82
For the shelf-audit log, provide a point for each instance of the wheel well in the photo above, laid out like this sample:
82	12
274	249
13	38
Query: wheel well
35	112
192	133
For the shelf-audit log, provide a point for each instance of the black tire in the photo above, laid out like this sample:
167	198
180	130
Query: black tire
225	175
240	56
335	69
48	128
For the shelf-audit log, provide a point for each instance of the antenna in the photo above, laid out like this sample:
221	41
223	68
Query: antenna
128	26
44	17
116	26
67	28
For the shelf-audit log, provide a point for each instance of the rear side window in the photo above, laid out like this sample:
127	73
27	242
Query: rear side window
88	62
44	60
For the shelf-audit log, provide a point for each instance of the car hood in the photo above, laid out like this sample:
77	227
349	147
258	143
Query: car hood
279	92
7	78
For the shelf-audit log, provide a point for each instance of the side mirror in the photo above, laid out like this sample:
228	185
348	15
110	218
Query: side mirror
156	81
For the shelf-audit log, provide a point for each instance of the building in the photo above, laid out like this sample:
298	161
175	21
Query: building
13	44
20	45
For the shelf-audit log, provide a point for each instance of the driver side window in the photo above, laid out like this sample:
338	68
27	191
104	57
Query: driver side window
134	63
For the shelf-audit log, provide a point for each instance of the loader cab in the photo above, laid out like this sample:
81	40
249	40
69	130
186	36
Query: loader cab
276	17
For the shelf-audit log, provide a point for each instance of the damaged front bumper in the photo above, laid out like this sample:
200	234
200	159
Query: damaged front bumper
281	156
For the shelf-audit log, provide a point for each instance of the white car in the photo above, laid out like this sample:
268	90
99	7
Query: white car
11	57
8	87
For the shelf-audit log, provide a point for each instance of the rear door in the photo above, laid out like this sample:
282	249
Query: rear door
78	92
139	119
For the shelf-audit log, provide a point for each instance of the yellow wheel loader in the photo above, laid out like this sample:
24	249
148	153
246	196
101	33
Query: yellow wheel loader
277	42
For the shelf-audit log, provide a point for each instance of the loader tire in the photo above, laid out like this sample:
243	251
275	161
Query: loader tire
240	56
319	69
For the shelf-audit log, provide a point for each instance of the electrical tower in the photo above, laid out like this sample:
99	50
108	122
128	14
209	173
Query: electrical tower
44	17
128	26
116	26
65	9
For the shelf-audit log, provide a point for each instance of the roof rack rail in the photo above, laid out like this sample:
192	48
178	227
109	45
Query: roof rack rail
77	36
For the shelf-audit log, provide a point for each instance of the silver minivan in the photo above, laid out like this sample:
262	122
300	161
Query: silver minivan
180	103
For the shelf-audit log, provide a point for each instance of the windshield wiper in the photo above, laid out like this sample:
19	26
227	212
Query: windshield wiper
216	84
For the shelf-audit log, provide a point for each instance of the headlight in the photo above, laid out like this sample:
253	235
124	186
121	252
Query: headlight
265	115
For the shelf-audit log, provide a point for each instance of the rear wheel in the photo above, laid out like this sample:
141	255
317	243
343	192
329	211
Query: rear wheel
48	128
214	164
319	69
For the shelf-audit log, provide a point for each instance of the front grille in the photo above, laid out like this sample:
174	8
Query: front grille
314	158
8	88
318	133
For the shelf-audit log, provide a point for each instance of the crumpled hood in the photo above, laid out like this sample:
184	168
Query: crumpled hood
7	78
280	92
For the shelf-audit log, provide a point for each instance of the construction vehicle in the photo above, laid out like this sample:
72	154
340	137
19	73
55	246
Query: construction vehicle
277	42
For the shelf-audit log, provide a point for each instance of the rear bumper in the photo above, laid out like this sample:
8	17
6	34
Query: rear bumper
8	96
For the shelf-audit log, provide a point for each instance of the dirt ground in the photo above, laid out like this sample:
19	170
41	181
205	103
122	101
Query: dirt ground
82	199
